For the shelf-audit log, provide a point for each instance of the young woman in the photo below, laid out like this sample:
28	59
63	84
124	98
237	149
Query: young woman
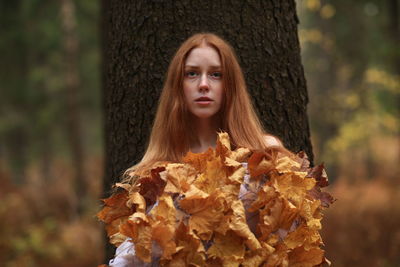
204	93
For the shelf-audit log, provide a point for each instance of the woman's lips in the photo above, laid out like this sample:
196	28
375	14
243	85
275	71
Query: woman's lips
203	101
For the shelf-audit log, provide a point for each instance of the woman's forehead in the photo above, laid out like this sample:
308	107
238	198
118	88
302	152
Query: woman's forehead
203	55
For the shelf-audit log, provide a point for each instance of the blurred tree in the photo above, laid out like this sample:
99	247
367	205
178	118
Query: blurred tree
140	38
73	108
351	57
33	127
24	93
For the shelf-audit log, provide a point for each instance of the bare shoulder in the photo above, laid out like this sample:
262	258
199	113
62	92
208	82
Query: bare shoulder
271	140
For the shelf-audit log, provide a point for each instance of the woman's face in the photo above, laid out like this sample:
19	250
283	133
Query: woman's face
202	83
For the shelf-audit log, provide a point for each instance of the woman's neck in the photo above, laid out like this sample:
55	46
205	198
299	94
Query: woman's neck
206	133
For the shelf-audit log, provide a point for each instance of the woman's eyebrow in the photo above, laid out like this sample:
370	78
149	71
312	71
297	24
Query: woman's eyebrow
197	67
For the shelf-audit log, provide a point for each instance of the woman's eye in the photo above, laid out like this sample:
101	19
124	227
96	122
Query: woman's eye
216	74
191	74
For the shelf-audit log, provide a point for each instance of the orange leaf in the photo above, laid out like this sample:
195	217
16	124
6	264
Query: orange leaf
115	207
198	160
260	163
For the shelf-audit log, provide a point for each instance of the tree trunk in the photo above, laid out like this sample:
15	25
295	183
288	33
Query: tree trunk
394	31
72	83
140	38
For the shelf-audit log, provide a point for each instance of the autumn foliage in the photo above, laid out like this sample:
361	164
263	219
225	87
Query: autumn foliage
211	210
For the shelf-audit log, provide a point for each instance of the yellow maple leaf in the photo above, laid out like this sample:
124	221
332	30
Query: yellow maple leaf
213	176
164	234
240	154
179	177
240	227
117	238
139	229
223	146
113	228
311	209
299	257
165	210
206	211
256	257
234	170
163	221
231	192
136	200
278	213
229	248
189	251
279	257
286	164
265	195
292	186
303	236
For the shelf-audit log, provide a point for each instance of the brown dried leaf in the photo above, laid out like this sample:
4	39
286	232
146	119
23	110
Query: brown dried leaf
152	187
325	198
115	207
260	163
303	160
319	174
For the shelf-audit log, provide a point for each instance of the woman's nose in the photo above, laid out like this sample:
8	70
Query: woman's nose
204	83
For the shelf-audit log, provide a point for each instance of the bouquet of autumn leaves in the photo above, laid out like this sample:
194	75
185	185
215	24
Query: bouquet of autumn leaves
211	210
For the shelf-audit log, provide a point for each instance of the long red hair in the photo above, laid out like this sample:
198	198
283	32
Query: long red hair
172	132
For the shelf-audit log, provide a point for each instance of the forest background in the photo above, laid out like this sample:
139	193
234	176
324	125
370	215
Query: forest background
51	137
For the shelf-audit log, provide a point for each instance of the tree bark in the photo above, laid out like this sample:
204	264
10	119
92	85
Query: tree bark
140	38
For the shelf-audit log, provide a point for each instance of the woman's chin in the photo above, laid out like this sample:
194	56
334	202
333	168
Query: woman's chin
203	115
